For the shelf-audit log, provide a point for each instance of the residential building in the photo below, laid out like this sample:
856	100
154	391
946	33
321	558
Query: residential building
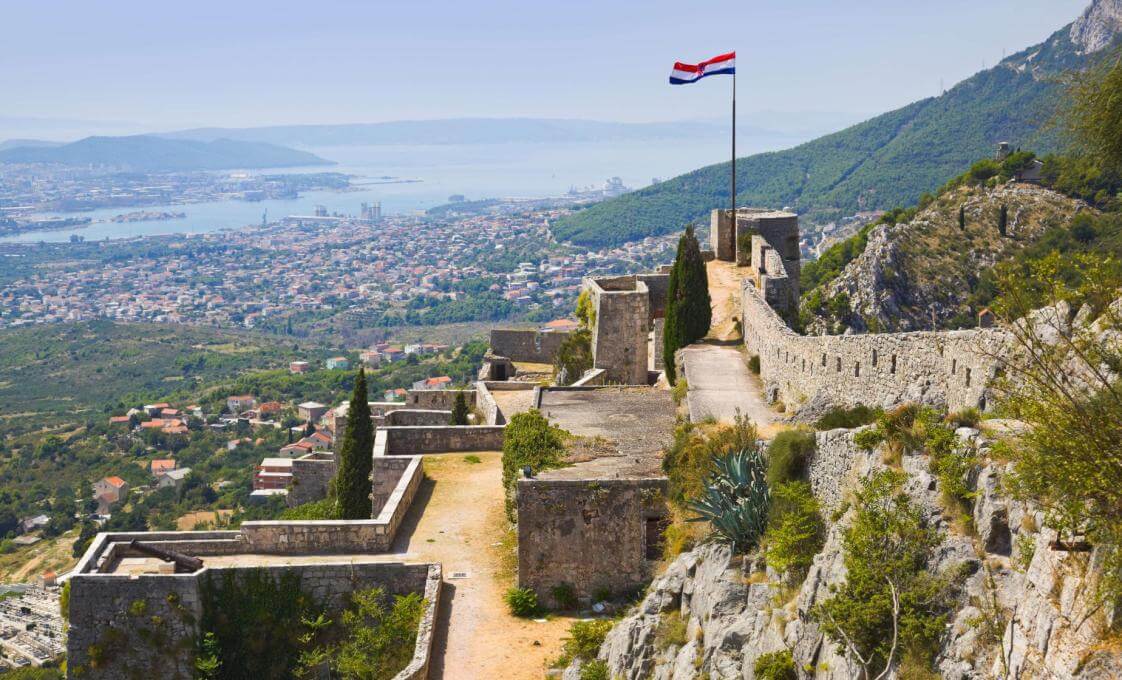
272	474
311	411
338	363
240	403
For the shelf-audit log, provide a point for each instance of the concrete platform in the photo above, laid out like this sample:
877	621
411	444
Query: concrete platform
720	384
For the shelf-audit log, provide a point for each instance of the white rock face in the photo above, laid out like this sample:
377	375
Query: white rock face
1098	25
1039	597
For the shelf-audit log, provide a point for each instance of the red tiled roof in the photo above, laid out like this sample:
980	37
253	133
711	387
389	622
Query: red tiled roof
115	481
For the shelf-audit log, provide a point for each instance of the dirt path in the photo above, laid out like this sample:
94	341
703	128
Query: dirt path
457	519
724	295
720	384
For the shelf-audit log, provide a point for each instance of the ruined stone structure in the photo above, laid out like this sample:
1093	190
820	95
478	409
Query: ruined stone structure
619	337
113	581
146	626
952	369
531	346
594	535
412	416
597	525
416	440
311	475
436	400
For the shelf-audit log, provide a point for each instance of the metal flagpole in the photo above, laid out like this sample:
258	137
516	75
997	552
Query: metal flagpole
732	186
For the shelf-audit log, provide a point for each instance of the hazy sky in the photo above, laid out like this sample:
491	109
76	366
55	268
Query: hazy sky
250	62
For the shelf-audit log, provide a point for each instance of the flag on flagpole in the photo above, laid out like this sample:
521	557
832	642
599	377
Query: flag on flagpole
683	74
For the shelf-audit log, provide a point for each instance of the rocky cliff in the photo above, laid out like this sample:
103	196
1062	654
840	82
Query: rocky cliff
1023	608
1097	26
920	274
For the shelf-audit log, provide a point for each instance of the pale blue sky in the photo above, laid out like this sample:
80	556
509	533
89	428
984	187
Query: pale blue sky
242	63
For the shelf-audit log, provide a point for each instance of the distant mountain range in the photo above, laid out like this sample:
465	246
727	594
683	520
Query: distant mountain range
461	131
158	154
887	161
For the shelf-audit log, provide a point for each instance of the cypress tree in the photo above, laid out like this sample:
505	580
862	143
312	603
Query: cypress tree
689	313
671	328
460	410
962	218
1003	220
696	306
354	457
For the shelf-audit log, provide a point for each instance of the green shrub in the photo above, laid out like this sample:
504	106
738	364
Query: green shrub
377	637
585	638
594	670
564	595
689	460
886	551
529	440
316	510
671	631
473	459
522	602
754	364
795	531
951	462
869	439
847	418
788	456
735	499
969	417
678	392
775	666
1025	549
574	356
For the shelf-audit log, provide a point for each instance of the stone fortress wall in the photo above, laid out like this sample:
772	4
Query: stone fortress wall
146	626
529	346
952	368
594	535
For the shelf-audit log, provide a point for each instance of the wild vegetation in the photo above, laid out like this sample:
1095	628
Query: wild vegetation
258	626
529	441
890	606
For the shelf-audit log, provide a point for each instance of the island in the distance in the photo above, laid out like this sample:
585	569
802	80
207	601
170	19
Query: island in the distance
158	154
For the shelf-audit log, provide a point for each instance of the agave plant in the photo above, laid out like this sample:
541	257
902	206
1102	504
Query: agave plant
735	500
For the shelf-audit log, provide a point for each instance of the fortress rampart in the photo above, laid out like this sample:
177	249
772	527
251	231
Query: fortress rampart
952	369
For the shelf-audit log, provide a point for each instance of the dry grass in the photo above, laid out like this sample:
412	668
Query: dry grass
25	564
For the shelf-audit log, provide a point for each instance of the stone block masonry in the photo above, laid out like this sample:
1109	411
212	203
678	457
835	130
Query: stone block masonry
437	400
529	346
311	476
951	369
147	626
410	416
412	441
619	338
593	534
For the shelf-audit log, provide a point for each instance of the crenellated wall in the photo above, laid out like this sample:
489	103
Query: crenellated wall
951	369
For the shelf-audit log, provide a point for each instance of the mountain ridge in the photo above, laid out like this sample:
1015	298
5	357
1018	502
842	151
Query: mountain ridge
156	154
886	161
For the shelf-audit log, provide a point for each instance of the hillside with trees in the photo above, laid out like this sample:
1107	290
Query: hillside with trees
884	162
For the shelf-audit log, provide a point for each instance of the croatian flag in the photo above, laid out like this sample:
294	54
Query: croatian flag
691	73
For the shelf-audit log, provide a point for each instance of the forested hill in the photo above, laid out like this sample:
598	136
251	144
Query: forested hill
884	162
156	154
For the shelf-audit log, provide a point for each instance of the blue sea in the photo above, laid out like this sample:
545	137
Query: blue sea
476	171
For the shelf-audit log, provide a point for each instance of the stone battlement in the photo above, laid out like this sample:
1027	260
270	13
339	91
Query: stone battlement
952	369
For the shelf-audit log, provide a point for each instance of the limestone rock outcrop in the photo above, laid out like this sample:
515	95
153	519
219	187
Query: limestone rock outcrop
1024	609
1097	27
918	274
